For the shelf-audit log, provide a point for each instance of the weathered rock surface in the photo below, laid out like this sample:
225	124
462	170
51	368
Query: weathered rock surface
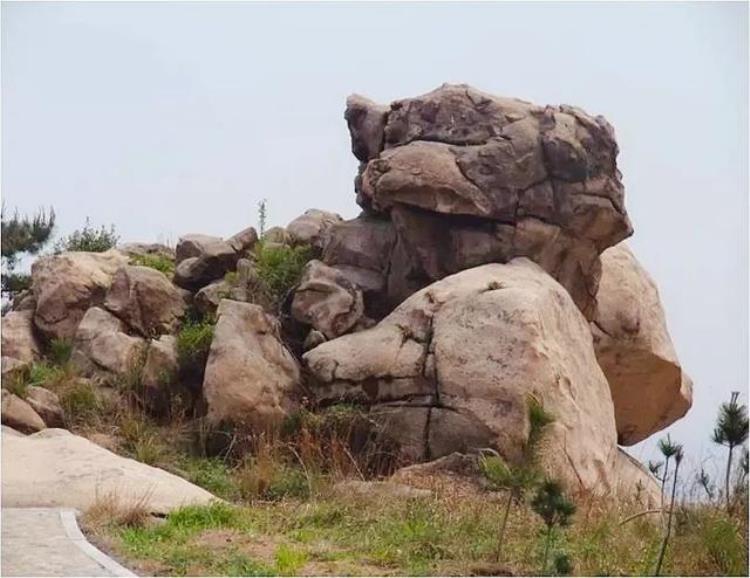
454	365
18	340
101	346
649	389
327	300
160	370
19	415
66	285
202	259
142	249
250	376
145	299
55	468
46	404
312	226
243	241
468	178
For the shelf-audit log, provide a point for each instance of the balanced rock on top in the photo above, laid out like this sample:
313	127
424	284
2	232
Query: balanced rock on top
468	178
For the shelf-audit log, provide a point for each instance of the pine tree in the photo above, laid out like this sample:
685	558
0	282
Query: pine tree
731	431
554	509
677	459
22	235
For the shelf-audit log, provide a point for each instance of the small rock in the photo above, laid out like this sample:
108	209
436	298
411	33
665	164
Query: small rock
243	241
311	227
46	404
18	341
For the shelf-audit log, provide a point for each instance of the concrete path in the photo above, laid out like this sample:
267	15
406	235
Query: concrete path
48	542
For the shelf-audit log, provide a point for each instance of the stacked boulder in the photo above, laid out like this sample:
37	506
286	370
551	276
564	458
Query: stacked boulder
490	250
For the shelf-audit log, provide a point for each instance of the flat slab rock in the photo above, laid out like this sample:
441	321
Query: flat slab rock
55	468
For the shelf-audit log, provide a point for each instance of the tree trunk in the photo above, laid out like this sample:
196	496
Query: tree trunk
663	549
726	478
501	535
664	480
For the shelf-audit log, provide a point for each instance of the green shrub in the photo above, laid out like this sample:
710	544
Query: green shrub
158	262
288	560
725	546
193	345
80	402
279	267
209	473
89	239
60	350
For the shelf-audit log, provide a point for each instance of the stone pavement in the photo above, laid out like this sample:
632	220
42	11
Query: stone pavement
48	542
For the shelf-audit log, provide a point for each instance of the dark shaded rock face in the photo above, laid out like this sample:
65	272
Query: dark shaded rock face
459	178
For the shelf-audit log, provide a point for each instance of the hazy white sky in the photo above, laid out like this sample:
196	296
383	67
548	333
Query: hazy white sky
169	118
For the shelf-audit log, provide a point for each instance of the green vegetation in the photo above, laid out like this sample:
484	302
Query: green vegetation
555	510
678	455
731	431
262	216
193	345
155	261
280	267
22	235
60	350
89	239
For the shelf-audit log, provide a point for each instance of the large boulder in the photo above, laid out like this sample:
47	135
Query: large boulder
250	376
649	388
57	469
469	178
18	340
145	299
202	259
18	414
66	285
454	366
327	300
102	347
311	227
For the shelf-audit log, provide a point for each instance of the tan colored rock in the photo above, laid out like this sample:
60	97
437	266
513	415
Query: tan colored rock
66	285
160	371
46	404
101	346
277	235
469	178
202	259
145	300
649	388
194	245
243	241
250	376
327	300
56	469
19	415
381	489
463	356
18	340
312	226
143	249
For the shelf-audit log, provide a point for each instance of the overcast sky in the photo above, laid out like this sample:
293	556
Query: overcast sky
165	119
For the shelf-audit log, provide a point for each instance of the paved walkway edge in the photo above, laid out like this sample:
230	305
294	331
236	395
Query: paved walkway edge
70	523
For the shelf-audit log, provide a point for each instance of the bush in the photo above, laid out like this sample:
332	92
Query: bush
89	239
193	345
60	350
280	267
158	262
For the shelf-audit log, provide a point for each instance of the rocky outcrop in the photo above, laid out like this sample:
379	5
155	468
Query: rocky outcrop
66	285
468	178
327	300
649	388
145	300
18	340
453	367
56	469
311	227
250	376
102	347
18	414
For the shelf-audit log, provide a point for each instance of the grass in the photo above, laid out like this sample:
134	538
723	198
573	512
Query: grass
155	261
280	267
444	535
193	345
